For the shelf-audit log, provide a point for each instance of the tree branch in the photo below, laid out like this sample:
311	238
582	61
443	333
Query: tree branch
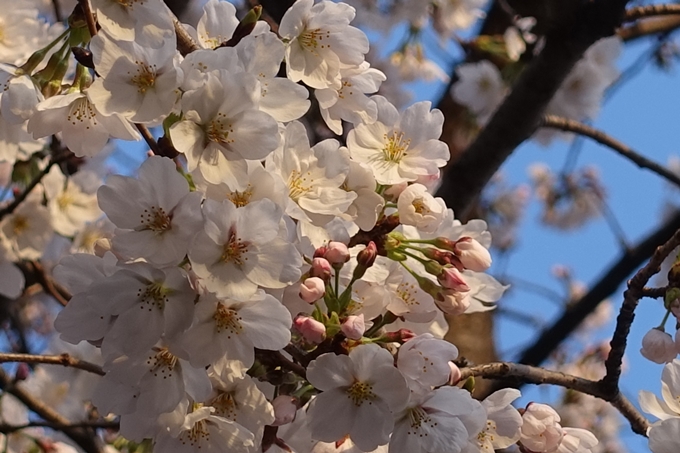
652	26
651	10
520	114
83	437
568	125
89	16
607	285
185	43
631	297
62	359
32	185
7	429
534	375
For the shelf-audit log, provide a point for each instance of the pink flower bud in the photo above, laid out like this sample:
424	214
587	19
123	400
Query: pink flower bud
23	372
337	253
312	289
455	375
321	268
451	278
320	252
366	257
400	336
285	410
310	329
354	327
472	254
658	346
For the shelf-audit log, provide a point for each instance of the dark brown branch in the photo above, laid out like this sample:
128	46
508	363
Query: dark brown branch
606	286
149	139
520	114
85	438
32	185
654	293
648	27
568	125
631	297
7	429
34	270
275	358
89	16
185	43
62	359
651	10
534	375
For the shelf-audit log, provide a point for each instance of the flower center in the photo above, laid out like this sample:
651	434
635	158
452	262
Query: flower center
341	92
227	320
420	207
406	292
218	130
419	419
156	220
82	111
145	77
233	250
395	147
19	224
240	199
162	362
298	185
225	405
311	40
360	392
154	295
196	435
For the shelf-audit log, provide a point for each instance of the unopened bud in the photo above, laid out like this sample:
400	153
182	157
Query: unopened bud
337	253
285	410
311	330
400	336
321	268
312	289
365	259
451	278
354	327
320	252
658	346
472	254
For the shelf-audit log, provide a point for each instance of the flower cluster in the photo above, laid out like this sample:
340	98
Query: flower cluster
247	289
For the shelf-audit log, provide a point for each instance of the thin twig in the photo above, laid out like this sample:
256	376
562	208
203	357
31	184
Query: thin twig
149	139
650	10
81	436
6	428
625	318
606	286
89	16
278	359
649	27
48	284
568	125
32	185
185	43
57	10
62	359
535	375
653	293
